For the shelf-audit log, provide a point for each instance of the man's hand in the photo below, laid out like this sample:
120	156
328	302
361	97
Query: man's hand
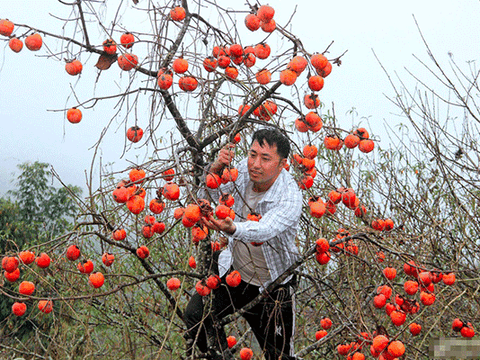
224	157
226	225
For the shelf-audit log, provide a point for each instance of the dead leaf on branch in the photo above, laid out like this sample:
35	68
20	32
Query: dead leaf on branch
105	61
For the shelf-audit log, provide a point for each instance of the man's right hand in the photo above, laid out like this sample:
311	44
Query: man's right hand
224	158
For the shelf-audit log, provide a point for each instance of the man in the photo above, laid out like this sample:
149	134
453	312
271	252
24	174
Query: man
260	250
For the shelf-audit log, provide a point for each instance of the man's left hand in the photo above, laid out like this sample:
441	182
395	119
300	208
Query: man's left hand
227	225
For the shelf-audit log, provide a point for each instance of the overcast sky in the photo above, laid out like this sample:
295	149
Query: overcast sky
32	86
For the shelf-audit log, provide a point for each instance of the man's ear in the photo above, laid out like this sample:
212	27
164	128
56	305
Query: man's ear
283	162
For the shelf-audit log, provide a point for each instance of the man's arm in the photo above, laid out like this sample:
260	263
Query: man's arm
283	216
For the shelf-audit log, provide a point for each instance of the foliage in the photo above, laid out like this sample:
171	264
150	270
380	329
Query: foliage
426	182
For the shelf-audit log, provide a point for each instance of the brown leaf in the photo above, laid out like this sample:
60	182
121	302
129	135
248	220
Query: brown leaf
105	61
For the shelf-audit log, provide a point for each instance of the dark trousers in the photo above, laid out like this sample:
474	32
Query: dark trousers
271	320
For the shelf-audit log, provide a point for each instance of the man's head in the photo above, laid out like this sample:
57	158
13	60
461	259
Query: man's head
267	157
273	137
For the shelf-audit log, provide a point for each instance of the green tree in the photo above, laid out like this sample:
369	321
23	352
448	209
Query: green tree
34	212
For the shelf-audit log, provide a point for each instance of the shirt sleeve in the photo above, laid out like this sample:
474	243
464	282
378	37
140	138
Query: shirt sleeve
283	215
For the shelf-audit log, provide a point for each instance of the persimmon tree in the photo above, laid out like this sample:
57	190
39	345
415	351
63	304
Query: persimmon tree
385	247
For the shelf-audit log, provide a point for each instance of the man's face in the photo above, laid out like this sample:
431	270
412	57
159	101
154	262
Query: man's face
264	165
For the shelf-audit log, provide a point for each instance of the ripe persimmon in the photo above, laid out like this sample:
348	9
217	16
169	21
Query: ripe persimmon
143	252
246	353
231	341
45	306
263	76
249	59
108	259
34	42
449	279
301	125
427	298
396	348
134	134
333	142
171	191
265	13
6	27
362	133
202	288
147	231
315	83
410	287
379	301
180	65
380	342
73	67
192	263
351	141
127	61
297	64
317	208
156	206
136	204
158	227
188	83
231	72
15	44
210	63
19	308
324	72
323	258
213	181
310	151
366	146
224	61
213	282
12	276
262	51
110	46
320	334
288	77
236	50
73	252
415	328
26	288
127	40
74	115
173	284
96	280
233	279
390	273
269	26
252	22
312	119
192	212
326	323
165	81
85	267
318	61
43	261
10	263
311	101
199	233
222	211
178	13
136	175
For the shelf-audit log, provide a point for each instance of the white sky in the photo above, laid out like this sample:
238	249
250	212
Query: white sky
30	85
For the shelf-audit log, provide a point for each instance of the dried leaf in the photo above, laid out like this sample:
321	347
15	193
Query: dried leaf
105	61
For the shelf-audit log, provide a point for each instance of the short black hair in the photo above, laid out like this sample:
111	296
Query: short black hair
273	137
